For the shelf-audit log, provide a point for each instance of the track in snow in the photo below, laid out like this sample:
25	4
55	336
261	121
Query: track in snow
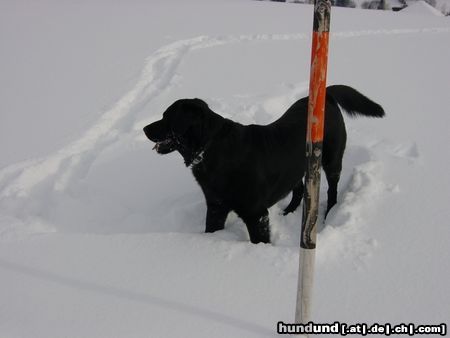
29	190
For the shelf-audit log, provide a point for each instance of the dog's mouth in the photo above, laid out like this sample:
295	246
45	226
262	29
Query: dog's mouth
165	147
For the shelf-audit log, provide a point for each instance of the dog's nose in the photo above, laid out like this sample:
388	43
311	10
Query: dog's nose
147	131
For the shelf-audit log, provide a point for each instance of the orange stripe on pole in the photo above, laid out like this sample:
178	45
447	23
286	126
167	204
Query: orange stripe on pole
317	86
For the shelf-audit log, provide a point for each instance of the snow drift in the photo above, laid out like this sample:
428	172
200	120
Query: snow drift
101	237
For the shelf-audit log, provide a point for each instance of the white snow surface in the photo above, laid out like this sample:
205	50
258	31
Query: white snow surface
421	8
102	237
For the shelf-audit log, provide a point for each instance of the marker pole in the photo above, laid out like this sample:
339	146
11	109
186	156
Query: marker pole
314	140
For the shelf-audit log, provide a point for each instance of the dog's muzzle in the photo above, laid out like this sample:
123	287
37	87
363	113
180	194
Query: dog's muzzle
166	146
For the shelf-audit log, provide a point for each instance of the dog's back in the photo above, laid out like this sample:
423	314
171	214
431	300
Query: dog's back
268	161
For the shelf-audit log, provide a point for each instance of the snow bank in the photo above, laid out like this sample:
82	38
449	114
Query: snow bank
102	237
421	8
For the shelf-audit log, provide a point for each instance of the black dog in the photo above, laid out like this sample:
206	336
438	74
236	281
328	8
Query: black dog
248	169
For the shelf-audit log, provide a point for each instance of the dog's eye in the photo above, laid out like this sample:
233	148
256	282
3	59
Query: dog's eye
173	136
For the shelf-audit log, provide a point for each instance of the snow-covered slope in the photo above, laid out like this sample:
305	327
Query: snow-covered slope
101	237
421	8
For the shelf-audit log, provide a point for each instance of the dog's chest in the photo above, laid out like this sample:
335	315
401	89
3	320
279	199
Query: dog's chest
208	174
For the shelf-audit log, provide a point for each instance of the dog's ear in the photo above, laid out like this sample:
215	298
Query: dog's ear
191	118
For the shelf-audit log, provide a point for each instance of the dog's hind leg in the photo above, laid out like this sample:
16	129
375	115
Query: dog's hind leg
297	195
216	215
333	152
333	180
258	226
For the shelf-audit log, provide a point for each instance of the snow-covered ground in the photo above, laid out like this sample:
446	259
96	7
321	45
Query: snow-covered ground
101	237
421	8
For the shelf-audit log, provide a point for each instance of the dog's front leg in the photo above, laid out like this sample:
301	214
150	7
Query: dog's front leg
258	226
216	215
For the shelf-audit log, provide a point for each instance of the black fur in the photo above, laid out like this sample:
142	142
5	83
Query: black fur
248	169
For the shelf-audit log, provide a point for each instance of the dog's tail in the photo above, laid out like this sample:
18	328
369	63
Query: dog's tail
353	102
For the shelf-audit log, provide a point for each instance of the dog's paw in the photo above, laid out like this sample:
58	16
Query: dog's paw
287	211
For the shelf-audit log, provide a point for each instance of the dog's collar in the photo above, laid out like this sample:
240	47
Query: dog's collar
196	159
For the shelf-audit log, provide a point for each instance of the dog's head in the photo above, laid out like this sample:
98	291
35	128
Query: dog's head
181	128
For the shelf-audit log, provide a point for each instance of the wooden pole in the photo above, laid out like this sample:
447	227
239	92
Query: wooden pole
314	140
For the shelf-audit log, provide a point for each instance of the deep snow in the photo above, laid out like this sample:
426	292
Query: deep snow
421	8
101	237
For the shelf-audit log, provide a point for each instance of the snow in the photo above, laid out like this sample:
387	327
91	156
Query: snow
443	6
102	237
421	8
